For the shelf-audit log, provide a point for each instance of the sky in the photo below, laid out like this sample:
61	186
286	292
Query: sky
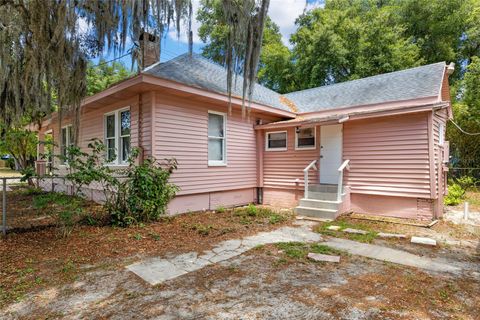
282	12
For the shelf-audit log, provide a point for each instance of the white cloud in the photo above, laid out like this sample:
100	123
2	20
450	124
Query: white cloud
83	25
282	12
195	25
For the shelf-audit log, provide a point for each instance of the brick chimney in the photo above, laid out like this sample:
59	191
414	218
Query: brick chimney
150	49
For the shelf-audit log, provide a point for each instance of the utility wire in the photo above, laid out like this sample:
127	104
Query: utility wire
168	54
129	52
463	131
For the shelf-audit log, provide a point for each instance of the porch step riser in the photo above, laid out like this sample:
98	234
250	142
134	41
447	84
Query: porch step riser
319	204
316	213
323	188
329	196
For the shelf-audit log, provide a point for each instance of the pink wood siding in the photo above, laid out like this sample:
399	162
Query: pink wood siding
282	168
145	118
282	198
445	91
181	132
400	207
92	124
210	201
388	156
439	117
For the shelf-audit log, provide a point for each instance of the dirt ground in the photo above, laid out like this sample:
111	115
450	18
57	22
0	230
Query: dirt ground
44	276
262	284
473	198
37	257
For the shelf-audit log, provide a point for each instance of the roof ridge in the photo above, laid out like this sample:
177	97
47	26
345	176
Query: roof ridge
365	78
218	65
199	71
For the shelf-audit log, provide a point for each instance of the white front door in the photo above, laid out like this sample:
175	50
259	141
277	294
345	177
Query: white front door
330	153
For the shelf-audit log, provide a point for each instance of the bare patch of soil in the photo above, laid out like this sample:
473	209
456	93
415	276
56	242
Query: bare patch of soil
40	259
263	284
31	209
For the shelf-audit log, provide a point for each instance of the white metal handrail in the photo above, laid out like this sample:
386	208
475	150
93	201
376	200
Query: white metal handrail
305	176
345	165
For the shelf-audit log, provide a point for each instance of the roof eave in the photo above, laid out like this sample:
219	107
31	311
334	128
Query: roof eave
169	84
165	83
361	107
331	119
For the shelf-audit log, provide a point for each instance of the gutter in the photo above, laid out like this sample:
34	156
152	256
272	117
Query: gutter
344	117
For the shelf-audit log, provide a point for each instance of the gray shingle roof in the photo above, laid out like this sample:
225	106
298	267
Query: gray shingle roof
199	72
419	82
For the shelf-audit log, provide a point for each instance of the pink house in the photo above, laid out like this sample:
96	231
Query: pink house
373	146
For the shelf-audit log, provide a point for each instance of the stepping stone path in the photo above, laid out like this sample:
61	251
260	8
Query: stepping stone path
333	228
391	255
355	231
323	257
421	240
391	235
157	270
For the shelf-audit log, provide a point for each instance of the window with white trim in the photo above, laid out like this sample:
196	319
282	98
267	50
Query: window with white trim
305	138
276	141
117	136
67	141
217	125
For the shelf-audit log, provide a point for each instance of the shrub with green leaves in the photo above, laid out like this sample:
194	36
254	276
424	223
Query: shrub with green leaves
138	193
144	193
466	182
455	195
85	168
252	210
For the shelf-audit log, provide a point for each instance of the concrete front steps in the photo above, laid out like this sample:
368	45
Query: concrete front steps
322	209
321	203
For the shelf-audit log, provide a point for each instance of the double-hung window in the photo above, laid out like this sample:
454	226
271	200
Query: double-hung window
305	138
217	129
276	141
67	141
117	136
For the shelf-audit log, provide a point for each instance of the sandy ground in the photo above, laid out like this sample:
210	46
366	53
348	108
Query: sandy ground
266	284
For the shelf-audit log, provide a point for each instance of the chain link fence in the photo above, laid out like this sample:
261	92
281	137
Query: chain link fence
461	172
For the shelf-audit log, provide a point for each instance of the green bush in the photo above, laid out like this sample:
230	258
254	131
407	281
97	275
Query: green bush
138	193
221	209
252	210
144	194
455	195
466	182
